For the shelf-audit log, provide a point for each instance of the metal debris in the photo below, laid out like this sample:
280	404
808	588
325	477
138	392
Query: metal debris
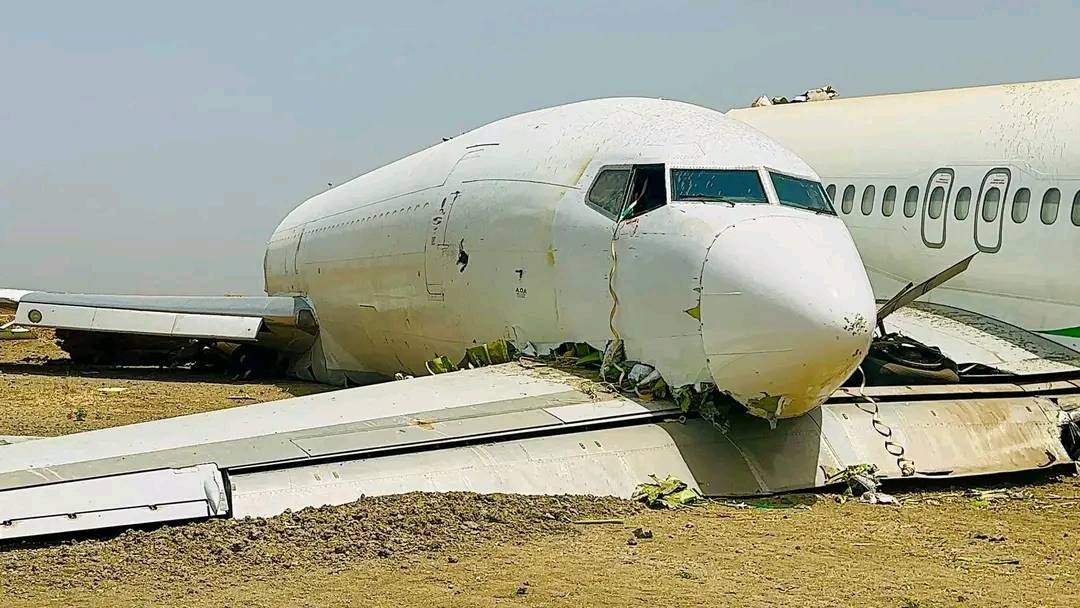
878	498
11	331
669	493
491	353
481	355
819	94
860	479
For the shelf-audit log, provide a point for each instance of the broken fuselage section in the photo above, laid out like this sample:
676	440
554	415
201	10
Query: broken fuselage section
710	251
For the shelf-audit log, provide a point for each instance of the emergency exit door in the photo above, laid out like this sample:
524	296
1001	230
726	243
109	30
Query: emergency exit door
990	210
936	207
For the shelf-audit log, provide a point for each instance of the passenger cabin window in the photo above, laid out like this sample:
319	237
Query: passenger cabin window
609	190
937	202
867	204
963	204
1021	203
911	201
990	204
1076	209
717	186
831	190
801	193
1050	203
888	201
849	200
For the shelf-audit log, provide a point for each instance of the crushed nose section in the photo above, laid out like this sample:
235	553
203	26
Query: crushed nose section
787	312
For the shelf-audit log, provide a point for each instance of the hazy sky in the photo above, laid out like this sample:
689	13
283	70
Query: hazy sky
148	147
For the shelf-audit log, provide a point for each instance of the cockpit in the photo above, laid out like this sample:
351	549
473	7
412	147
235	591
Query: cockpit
623	192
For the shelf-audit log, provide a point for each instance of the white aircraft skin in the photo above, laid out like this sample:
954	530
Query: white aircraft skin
488	235
1007	141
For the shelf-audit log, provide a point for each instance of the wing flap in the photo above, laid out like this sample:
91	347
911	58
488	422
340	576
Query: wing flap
278	322
144	497
144	322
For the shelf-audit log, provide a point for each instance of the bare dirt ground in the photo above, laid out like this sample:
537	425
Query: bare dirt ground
41	393
942	547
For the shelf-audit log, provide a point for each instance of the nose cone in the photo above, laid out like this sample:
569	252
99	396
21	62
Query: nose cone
786	310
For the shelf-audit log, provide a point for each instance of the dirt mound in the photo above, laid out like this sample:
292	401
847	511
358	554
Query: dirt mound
377	527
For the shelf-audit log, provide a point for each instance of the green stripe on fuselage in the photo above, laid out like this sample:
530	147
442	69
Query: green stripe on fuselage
1068	332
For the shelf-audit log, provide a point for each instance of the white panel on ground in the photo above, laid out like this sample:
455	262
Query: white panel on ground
105	502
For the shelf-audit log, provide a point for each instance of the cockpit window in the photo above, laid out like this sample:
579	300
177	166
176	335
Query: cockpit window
624	193
802	193
609	190
717	186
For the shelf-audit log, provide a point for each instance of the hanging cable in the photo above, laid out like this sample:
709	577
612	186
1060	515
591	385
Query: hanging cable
615	349
906	465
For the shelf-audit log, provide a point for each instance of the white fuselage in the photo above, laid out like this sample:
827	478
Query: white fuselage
489	235
994	170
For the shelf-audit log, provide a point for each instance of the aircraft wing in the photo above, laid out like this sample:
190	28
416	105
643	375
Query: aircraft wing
506	428
284	322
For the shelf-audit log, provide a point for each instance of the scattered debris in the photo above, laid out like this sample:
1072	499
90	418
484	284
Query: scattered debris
440	365
111	389
670	493
995	561
491	353
482	355
860	478
241	398
819	94
997	494
11	331
642	533
779	502
878	498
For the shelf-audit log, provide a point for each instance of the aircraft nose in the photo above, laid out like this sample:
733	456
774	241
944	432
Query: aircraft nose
787	312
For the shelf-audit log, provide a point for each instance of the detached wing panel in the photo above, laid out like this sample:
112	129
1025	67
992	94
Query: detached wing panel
143	322
276	319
